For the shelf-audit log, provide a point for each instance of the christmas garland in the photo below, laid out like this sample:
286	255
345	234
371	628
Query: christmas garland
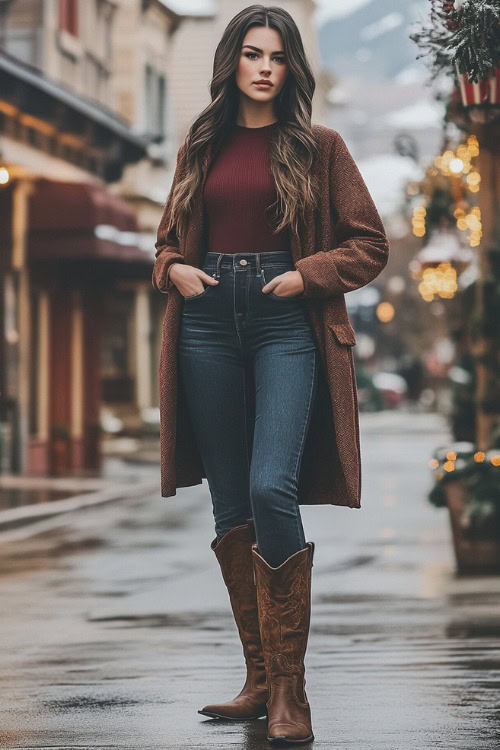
461	36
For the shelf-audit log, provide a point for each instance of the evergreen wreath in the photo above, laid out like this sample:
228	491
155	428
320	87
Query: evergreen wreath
461	36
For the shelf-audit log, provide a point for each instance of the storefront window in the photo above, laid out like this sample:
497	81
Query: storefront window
117	369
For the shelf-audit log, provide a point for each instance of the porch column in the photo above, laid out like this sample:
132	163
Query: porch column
142	338
21	192
76	401
43	367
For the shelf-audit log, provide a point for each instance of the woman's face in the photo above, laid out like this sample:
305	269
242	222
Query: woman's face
262	57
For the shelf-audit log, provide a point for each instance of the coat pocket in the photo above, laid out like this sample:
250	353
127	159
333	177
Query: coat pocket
344	333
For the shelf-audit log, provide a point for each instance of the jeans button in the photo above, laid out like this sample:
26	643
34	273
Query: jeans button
243	262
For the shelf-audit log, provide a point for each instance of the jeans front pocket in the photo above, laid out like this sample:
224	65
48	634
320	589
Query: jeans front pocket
196	296
268	274
201	294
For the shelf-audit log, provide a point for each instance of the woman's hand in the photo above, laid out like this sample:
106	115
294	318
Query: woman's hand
188	279
288	284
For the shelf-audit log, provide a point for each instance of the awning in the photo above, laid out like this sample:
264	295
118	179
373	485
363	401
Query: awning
108	134
75	220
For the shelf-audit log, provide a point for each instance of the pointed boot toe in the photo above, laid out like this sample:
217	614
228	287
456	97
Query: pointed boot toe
234	553
246	705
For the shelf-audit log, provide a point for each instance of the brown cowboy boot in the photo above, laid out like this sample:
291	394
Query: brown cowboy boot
234	553
284	601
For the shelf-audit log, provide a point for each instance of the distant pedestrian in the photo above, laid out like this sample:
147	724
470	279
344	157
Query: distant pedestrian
257	382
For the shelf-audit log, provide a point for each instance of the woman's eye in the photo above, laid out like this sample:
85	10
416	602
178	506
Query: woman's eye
278	59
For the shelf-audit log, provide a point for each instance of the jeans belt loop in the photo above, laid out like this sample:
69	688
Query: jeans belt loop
217	270
257	264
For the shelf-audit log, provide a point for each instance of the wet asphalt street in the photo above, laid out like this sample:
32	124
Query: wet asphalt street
116	625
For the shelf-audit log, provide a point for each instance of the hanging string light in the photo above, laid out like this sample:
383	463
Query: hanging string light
470	221
440	196
473	179
438	281
456	163
418	221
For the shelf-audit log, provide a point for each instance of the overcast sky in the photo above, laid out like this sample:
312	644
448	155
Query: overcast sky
325	9
332	8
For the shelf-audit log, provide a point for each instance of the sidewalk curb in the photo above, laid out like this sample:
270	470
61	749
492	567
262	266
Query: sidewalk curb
26	519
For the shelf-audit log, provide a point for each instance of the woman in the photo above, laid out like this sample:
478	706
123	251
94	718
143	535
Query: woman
257	384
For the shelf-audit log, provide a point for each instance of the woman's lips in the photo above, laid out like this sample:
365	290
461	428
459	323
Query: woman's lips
264	85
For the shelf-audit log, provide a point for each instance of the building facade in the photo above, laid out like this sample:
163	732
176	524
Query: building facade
67	241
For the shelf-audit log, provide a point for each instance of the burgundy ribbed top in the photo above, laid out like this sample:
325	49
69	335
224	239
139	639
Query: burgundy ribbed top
238	188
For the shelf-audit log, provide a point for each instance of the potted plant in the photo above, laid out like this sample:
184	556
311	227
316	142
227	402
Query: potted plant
462	39
467	482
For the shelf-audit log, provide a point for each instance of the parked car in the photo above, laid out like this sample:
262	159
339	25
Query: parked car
392	387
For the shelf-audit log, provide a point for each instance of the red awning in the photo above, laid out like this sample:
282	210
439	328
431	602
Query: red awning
75	220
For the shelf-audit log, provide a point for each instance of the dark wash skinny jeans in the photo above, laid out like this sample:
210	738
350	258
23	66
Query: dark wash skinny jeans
226	327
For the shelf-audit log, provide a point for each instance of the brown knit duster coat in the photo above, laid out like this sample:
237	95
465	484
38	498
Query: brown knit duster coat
342	246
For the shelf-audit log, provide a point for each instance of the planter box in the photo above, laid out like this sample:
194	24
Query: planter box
475	556
481	94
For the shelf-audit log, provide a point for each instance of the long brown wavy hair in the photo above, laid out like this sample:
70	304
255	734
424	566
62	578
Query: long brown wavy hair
293	148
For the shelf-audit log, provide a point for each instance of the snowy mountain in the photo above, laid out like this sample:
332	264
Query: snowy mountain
372	40
381	94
